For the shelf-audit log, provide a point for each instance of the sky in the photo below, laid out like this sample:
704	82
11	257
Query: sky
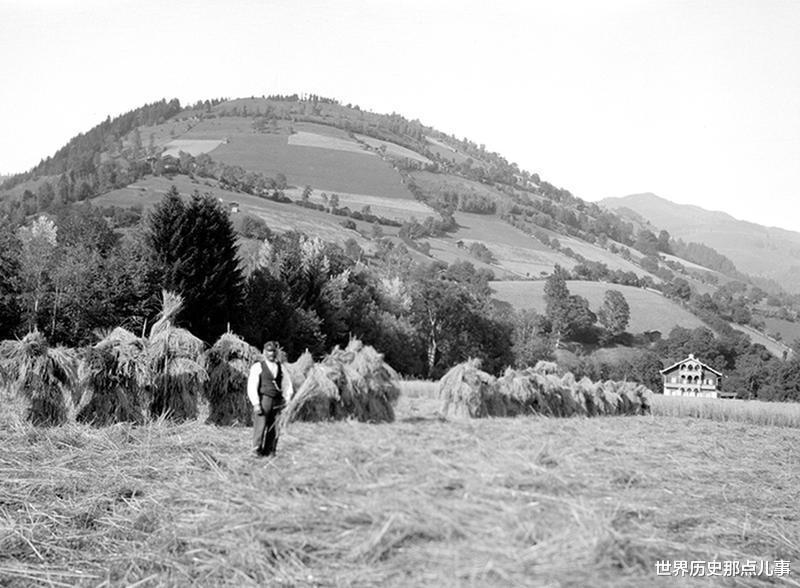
696	101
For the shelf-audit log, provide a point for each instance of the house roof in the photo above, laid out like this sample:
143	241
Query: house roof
690	358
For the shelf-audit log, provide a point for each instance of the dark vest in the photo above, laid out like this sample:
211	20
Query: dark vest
267	384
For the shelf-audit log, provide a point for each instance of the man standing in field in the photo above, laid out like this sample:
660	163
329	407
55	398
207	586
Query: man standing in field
269	387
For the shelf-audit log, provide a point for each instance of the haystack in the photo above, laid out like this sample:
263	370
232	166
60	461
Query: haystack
298	370
174	360
228	364
349	383
114	375
464	391
380	377
44	376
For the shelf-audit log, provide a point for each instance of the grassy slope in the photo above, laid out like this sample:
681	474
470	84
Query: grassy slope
775	347
278	216
422	502
357	171
649	310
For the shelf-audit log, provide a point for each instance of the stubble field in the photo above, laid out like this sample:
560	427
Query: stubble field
420	502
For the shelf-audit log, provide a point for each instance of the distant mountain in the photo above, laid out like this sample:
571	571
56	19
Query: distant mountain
767	252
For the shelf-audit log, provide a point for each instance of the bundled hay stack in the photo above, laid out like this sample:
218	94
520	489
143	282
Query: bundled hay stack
464	391
380	377
44	376
173	355
228	364
545	367
300	368
349	383
114	374
468	392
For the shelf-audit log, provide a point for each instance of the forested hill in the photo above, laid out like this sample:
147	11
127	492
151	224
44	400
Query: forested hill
394	197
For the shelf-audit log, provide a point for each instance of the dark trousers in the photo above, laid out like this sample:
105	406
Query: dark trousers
265	430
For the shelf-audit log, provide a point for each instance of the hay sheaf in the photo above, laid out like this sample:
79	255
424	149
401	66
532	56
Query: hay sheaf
354	382
227	364
174	362
114	375
467	392
298	370
43	376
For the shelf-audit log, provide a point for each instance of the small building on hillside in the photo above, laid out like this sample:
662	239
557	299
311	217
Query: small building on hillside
691	377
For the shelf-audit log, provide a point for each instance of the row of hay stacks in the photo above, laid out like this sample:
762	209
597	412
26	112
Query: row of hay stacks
354	382
467	392
121	378
125	378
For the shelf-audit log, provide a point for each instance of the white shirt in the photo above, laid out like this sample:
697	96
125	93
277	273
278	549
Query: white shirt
255	375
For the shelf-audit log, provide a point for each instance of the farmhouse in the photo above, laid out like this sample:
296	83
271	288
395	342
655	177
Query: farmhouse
691	377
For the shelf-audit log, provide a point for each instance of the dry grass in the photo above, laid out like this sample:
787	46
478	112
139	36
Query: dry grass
420	502
779	414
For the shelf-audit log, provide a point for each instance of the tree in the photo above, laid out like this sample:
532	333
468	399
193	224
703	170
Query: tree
10	279
37	255
195	249
557	303
530	341
307	191
614	314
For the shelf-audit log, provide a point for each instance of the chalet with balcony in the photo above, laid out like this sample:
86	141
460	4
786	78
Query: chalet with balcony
691	377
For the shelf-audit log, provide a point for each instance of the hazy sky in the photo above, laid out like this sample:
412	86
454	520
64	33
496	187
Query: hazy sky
696	101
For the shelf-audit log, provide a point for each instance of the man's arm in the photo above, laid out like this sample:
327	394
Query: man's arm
252	385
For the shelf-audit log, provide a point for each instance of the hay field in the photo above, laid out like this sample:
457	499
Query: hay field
774	346
193	147
440	183
446	151
394	208
420	502
788	330
649	310
323	168
309	139
393	149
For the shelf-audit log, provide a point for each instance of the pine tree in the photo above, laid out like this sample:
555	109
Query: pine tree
195	247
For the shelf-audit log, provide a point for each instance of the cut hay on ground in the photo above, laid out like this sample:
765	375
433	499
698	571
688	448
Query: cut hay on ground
43	376
466	391
349	383
114	376
228	365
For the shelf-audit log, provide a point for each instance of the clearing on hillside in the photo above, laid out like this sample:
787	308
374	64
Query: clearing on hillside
650	311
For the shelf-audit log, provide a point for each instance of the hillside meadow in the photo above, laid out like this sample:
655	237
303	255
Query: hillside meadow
650	311
424	501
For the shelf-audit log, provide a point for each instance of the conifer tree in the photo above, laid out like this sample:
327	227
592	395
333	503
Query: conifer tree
195	247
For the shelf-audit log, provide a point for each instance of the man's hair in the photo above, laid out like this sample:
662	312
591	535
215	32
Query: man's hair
271	346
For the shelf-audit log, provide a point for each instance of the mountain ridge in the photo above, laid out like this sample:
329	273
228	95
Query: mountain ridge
758	250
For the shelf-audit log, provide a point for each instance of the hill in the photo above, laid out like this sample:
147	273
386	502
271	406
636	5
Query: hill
767	252
314	165
650	311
